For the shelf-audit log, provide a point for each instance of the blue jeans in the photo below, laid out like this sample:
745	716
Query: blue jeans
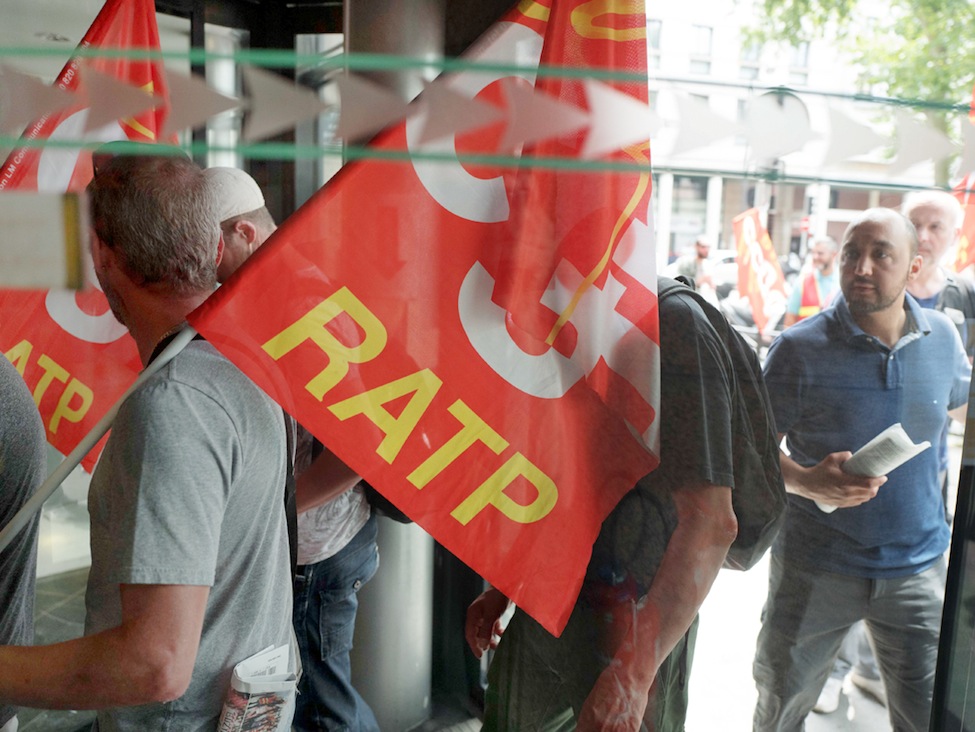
806	617
324	620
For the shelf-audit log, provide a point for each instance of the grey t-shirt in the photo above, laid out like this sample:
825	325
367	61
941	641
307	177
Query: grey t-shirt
22	468
189	491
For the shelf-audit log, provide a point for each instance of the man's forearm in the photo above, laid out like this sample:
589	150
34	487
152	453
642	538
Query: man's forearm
827	483
695	553
792	474
93	672
326	478
149	657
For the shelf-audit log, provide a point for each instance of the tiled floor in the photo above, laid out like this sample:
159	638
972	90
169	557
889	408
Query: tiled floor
721	672
59	614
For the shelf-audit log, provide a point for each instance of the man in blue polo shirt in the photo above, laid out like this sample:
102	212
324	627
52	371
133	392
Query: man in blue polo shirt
836	380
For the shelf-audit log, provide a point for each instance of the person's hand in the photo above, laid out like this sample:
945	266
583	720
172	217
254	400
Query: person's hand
615	704
483	627
826	483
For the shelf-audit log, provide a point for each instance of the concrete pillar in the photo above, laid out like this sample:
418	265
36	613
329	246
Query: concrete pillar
392	657
712	212
414	29
820	209
393	645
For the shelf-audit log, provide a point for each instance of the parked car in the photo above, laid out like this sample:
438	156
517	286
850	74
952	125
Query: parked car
724	270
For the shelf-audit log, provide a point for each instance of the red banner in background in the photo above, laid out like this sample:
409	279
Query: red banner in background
965	193
759	274
73	354
480	343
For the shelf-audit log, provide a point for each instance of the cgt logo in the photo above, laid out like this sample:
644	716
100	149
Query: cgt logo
585	302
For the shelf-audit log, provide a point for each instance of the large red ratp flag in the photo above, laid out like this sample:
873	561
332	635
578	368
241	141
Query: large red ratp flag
76	358
965	193
479	342
760	277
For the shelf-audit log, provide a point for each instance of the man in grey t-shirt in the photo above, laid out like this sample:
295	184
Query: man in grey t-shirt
190	560
21	471
337	552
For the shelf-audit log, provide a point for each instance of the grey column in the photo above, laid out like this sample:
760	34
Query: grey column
392	657
392	652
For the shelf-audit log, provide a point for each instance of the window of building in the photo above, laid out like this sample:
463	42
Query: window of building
653	43
799	63
741	117
749	60
700	49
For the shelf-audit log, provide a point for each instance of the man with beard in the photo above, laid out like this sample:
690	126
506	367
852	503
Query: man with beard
817	289
835	381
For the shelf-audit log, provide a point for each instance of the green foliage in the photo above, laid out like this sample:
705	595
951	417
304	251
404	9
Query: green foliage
915	50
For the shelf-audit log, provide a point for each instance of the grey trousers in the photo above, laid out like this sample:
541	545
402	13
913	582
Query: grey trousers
856	654
806	617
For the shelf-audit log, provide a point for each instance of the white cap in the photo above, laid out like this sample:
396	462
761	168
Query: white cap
235	192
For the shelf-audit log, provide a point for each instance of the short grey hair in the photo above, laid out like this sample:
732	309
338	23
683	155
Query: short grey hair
158	214
828	241
940	199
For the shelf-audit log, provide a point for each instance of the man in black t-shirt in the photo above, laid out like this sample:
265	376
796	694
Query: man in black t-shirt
622	661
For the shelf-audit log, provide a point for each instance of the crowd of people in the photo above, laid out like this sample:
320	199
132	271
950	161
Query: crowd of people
194	567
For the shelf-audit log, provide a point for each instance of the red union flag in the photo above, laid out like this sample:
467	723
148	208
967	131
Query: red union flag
965	193
759	274
76	358
480	343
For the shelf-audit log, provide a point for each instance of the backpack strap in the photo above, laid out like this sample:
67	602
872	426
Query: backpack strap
667	286
290	500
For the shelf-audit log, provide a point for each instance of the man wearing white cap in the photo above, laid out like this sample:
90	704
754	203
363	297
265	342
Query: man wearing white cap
244	219
337	551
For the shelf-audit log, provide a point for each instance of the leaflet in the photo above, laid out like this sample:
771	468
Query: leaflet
884	453
262	693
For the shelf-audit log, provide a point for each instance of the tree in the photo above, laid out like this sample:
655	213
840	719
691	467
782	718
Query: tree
918	51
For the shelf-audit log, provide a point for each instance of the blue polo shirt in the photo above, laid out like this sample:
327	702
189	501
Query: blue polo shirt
833	388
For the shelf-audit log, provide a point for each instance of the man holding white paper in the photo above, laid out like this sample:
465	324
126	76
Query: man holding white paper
836	381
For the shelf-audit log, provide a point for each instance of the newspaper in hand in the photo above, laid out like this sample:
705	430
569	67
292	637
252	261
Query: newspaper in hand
885	452
262	694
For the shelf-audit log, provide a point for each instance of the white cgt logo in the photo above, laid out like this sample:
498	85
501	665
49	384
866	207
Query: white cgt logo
600	328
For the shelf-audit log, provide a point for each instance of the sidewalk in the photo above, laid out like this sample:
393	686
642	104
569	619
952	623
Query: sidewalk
722	692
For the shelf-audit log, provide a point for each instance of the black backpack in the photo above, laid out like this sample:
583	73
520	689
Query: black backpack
758	496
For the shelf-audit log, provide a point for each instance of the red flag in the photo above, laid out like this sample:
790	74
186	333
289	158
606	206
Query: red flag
74	355
478	342
965	193
759	274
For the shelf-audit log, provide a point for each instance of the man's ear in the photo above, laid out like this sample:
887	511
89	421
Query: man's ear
99	250
915	267
220	248
249	232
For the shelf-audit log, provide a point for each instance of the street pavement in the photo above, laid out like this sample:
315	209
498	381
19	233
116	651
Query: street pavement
722	691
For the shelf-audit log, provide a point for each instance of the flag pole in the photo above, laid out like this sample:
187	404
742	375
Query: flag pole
57	476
